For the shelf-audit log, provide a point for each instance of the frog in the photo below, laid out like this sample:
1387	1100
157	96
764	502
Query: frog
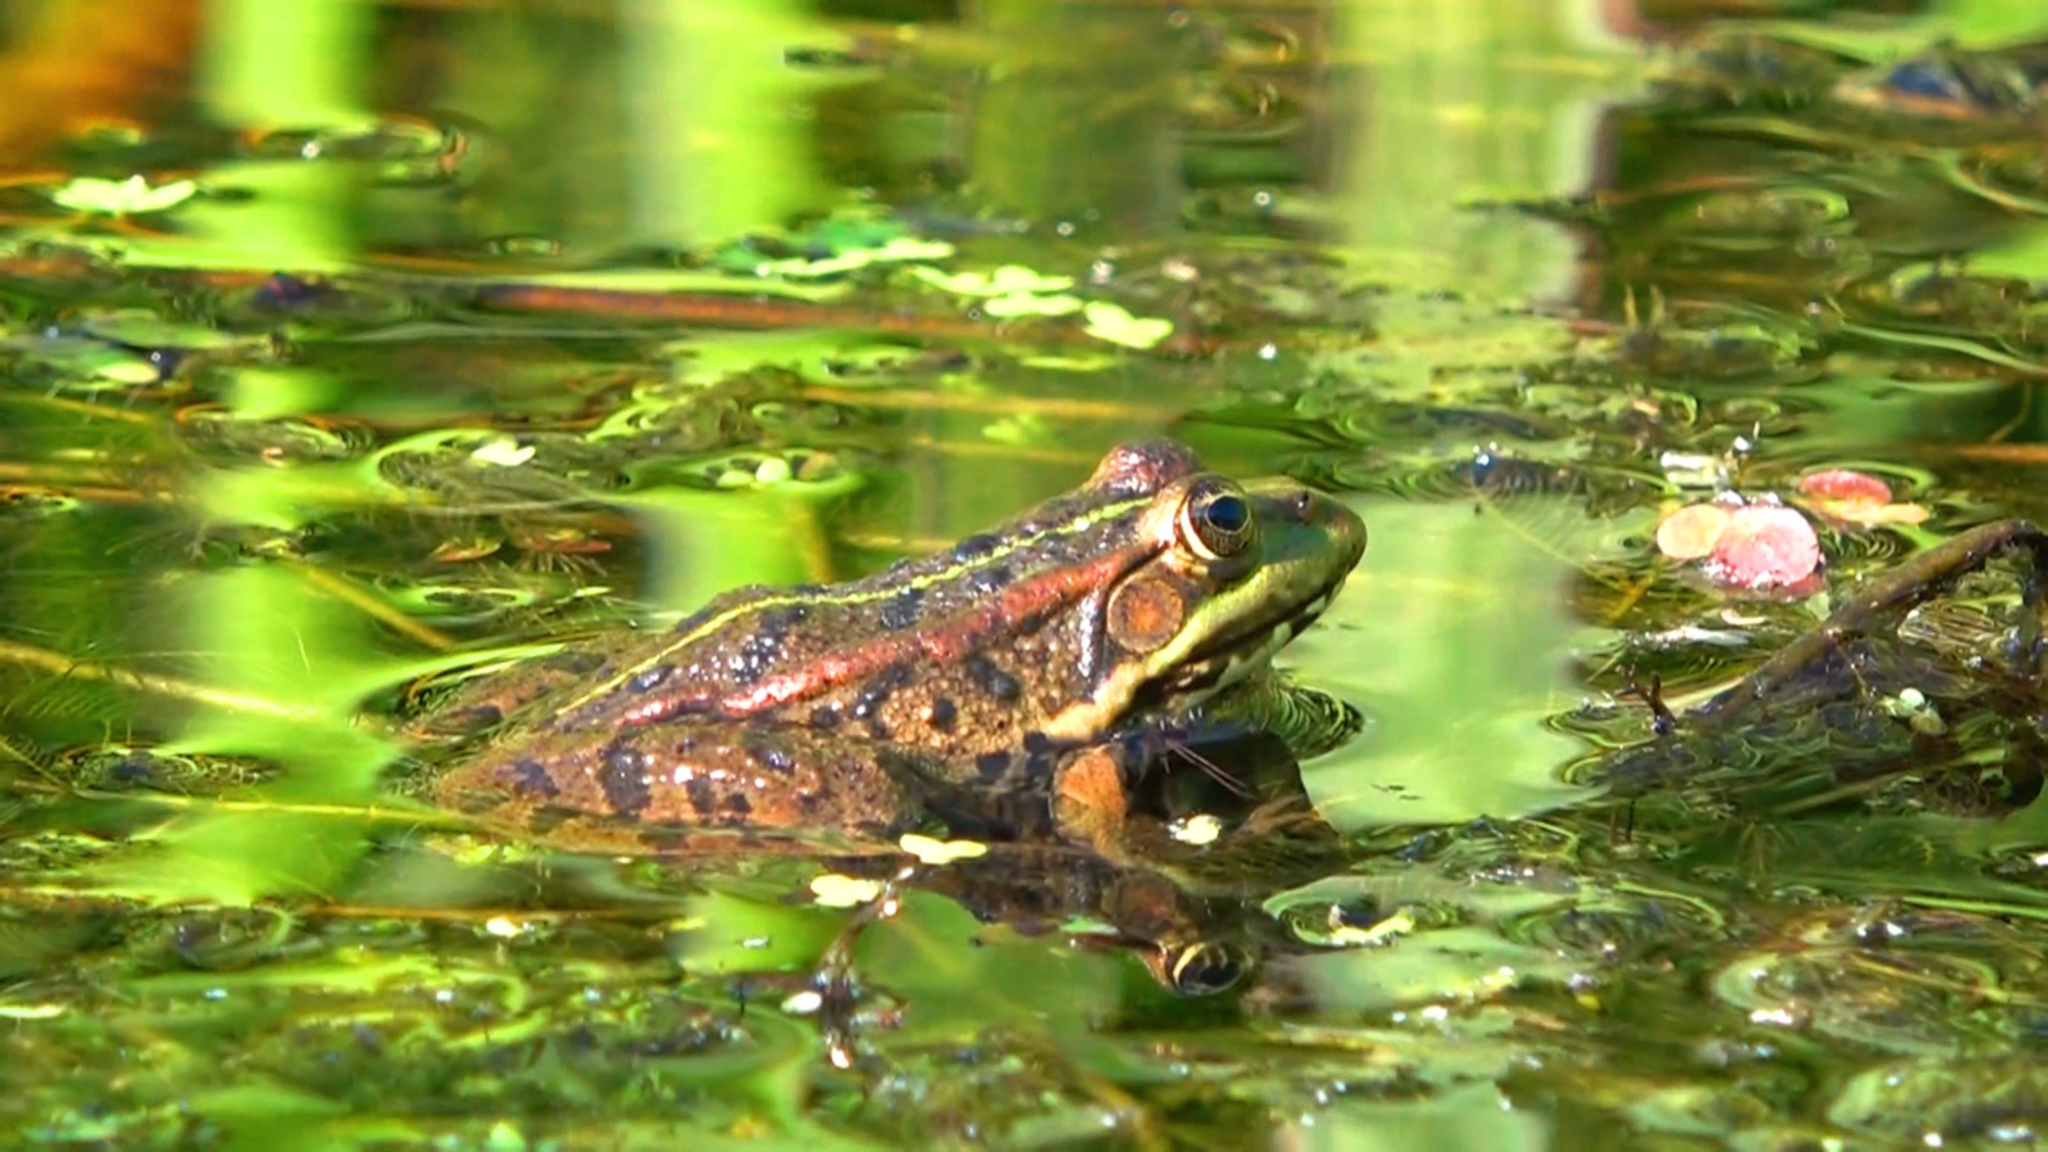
1016	681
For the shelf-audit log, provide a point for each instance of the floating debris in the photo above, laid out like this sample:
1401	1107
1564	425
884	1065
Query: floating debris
1749	545
1856	498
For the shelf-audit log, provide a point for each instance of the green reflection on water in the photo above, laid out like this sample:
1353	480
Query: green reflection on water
1454	633
285	671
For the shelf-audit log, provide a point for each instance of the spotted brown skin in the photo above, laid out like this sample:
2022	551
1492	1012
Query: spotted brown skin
981	669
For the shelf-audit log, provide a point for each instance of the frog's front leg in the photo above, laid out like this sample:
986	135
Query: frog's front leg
1123	797
1091	800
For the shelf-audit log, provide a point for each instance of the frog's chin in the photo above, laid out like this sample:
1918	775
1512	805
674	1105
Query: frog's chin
1201	679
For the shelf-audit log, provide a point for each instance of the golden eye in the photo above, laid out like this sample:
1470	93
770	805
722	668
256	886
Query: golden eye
1216	520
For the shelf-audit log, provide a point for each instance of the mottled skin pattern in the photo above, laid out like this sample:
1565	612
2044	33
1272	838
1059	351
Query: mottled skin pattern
866	706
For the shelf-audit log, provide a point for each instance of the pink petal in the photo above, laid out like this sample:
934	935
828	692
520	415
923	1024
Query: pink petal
1765	546
1846	485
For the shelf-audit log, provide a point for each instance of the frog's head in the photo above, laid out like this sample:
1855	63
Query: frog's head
1220	575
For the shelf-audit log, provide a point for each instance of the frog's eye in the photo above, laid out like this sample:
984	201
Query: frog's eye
1216	521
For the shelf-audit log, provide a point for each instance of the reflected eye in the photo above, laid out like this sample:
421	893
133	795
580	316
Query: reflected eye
1217	521
1204	970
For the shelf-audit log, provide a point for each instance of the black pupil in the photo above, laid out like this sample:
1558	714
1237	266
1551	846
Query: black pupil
1227	514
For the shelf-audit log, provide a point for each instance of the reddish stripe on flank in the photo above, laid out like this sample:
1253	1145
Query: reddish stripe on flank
941	645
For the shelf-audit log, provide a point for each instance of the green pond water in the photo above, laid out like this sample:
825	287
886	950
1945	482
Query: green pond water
373	344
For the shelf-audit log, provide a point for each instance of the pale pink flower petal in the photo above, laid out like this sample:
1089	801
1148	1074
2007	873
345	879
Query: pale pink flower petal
1857	498
1846	485
1765	546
